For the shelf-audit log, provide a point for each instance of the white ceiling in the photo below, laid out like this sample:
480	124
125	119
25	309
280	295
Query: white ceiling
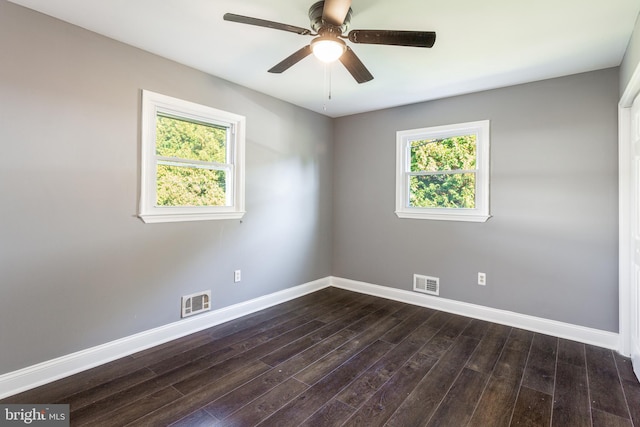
480	44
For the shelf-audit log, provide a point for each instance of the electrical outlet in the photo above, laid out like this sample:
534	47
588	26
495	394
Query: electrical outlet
482	279
237	276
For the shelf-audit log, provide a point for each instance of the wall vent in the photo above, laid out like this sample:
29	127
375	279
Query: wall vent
426	284
196	303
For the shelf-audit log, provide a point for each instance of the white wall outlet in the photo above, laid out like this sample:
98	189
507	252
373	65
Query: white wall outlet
237	276
482	279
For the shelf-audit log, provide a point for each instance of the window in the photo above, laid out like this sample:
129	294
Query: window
442	172
192	161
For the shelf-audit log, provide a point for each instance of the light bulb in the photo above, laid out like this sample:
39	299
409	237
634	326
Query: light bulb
328	49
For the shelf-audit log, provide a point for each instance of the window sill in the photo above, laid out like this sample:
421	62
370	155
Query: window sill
174	217
443	216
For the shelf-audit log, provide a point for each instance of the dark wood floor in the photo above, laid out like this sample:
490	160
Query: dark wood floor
340	358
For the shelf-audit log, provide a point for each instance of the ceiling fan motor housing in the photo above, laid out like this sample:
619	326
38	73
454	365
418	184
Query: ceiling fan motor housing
323	28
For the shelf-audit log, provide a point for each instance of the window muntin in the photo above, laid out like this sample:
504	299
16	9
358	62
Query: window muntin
443	172
193	159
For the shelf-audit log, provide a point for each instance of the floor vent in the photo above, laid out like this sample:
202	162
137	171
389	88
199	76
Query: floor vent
196	303
426	284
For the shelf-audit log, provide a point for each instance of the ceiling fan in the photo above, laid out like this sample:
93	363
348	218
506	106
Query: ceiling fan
330	20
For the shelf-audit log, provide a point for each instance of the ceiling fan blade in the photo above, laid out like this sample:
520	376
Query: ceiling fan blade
335	11
396	38
354	66
264	23
291	60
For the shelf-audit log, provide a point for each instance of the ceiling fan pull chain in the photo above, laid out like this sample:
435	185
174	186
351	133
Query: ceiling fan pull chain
329	66
327	85
324	86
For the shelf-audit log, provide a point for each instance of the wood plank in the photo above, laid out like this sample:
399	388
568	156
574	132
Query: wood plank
65	387
571	398
406	310
317	352
461	400
625	368
331	361
632	393
210	391
368	383
519	340
476	329
244	394
513	358
604	383
437	346
379	407
245	338
533	409
93	394
337	324
227	348
496	330
299	409
571	352
106	405
280	332
454	327
539	374
605	419
496	404
265	405
386	310
333	414
488	351
198	418
400	332
331	312
423	401
211	352
510	364
134	410
203	377
442	341
438	320
630	386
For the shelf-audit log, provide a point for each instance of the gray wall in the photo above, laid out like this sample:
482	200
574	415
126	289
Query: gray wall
550	249
631	57
77	268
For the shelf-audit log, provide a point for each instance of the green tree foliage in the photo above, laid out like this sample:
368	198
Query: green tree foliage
446	187
196	184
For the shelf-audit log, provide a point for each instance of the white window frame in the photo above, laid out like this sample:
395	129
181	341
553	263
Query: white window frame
403	163
154	104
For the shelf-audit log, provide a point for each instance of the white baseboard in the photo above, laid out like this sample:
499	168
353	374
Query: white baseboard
51	370
45	372
582	334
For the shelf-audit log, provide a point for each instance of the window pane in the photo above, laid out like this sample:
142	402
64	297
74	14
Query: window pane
442	191
187	186
455	153
189	140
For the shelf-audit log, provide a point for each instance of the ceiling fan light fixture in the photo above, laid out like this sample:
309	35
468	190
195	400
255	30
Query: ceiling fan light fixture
328	49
